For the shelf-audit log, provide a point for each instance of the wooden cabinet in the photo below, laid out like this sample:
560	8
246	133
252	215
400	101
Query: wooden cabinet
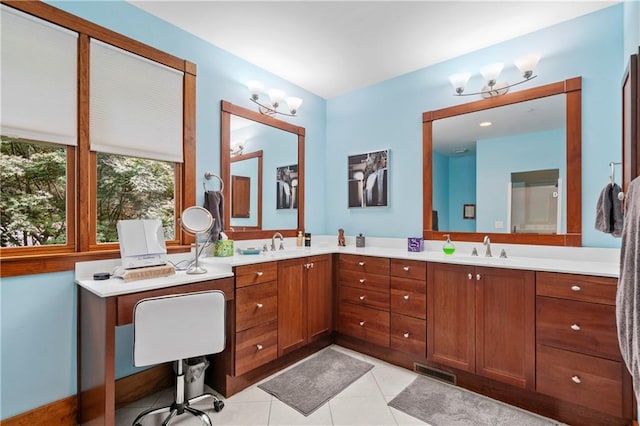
482	320
408	328
305	297
256	339
364	298
577	352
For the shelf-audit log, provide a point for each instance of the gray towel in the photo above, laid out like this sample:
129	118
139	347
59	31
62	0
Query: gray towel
628	292
609	217
214	202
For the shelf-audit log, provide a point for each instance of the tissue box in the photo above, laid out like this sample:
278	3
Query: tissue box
223	248
415	244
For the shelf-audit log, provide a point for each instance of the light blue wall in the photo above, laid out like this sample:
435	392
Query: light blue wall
38	341
462	190
631	28
38	330
389	115
520	153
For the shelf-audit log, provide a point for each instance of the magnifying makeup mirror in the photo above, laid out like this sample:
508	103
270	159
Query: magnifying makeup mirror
196	220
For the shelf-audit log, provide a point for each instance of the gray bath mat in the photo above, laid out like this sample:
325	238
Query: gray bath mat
441	404
307	386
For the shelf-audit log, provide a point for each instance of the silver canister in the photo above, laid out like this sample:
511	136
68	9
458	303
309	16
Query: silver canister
360	240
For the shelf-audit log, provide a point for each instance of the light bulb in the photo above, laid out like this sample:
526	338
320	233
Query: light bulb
491	72
459	81
276	97
294	103
255	87
527	63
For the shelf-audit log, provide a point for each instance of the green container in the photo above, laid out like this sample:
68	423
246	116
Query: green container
223	248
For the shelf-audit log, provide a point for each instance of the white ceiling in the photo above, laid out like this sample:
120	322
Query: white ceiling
334	47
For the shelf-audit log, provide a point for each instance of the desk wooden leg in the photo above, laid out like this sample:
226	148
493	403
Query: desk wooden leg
96	359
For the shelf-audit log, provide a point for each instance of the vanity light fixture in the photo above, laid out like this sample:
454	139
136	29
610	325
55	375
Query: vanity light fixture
275	96
526	64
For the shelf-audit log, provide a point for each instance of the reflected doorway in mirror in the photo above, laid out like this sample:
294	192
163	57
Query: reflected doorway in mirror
368	176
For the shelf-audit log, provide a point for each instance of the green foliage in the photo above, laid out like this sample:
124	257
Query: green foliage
33	196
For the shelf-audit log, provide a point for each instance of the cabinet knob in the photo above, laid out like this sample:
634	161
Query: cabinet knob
405	297
405	268
575	327
362	297
306	266
361	263
576	288
362	280
259	305
259	347
470	276
259	273
478	276
576	379
311	265
362	323
405	334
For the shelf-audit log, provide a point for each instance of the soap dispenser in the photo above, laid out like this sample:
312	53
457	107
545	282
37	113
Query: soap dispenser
299	239
448	247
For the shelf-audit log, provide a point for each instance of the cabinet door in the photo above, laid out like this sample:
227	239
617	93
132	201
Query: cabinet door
505	325
319	296
292	321
451	315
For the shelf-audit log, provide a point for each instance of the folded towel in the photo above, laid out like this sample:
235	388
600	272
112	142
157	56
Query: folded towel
214	202
628	291
609	216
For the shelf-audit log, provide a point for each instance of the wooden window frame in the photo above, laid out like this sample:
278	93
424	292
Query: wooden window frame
81	162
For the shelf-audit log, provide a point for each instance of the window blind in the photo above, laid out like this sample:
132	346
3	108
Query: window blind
39	79
135	105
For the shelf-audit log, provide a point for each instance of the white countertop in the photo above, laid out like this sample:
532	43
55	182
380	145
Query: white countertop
572	260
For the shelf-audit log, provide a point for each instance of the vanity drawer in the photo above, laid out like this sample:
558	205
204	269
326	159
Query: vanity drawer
577	287
582	379
414	269
408	334
257	304
363	280
368	264
371	325
409	297
578	326
256	273
256	346
364	297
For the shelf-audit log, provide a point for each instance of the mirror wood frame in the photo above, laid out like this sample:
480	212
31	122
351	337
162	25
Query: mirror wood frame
573	237
226	110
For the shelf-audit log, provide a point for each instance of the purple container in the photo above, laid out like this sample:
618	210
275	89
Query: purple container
415	244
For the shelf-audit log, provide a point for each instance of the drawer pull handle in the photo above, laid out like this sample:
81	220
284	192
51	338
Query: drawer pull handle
311	265
259	273
259	305
362	323
362	297
361	263
406	268
362	280
405	334
576	379
405	297
576	288
478	276
575	327
470	276
259	347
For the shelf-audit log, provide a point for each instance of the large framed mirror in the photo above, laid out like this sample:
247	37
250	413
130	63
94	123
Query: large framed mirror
263	159
517	180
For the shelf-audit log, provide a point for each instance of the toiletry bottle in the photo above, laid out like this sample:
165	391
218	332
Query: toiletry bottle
448	247
307	239
299	239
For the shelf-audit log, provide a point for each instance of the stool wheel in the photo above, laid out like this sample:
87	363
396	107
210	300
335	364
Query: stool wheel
218	406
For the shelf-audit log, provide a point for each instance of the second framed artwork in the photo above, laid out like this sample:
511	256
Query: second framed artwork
368	179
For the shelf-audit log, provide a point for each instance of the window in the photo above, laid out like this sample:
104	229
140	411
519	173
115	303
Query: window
33	210
95	127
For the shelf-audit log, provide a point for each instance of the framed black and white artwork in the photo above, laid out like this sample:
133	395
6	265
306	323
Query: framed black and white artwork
287	187
368	179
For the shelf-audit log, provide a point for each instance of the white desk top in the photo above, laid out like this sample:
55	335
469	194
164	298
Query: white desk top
572	260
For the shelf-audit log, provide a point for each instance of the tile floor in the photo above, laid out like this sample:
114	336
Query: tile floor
362	403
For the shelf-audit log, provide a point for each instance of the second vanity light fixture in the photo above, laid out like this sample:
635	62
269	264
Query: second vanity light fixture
276	97
526	64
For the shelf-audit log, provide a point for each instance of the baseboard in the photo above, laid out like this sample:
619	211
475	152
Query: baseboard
128	389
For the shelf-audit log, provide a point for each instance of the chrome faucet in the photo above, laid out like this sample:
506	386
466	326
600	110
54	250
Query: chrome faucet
273	241
487	242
